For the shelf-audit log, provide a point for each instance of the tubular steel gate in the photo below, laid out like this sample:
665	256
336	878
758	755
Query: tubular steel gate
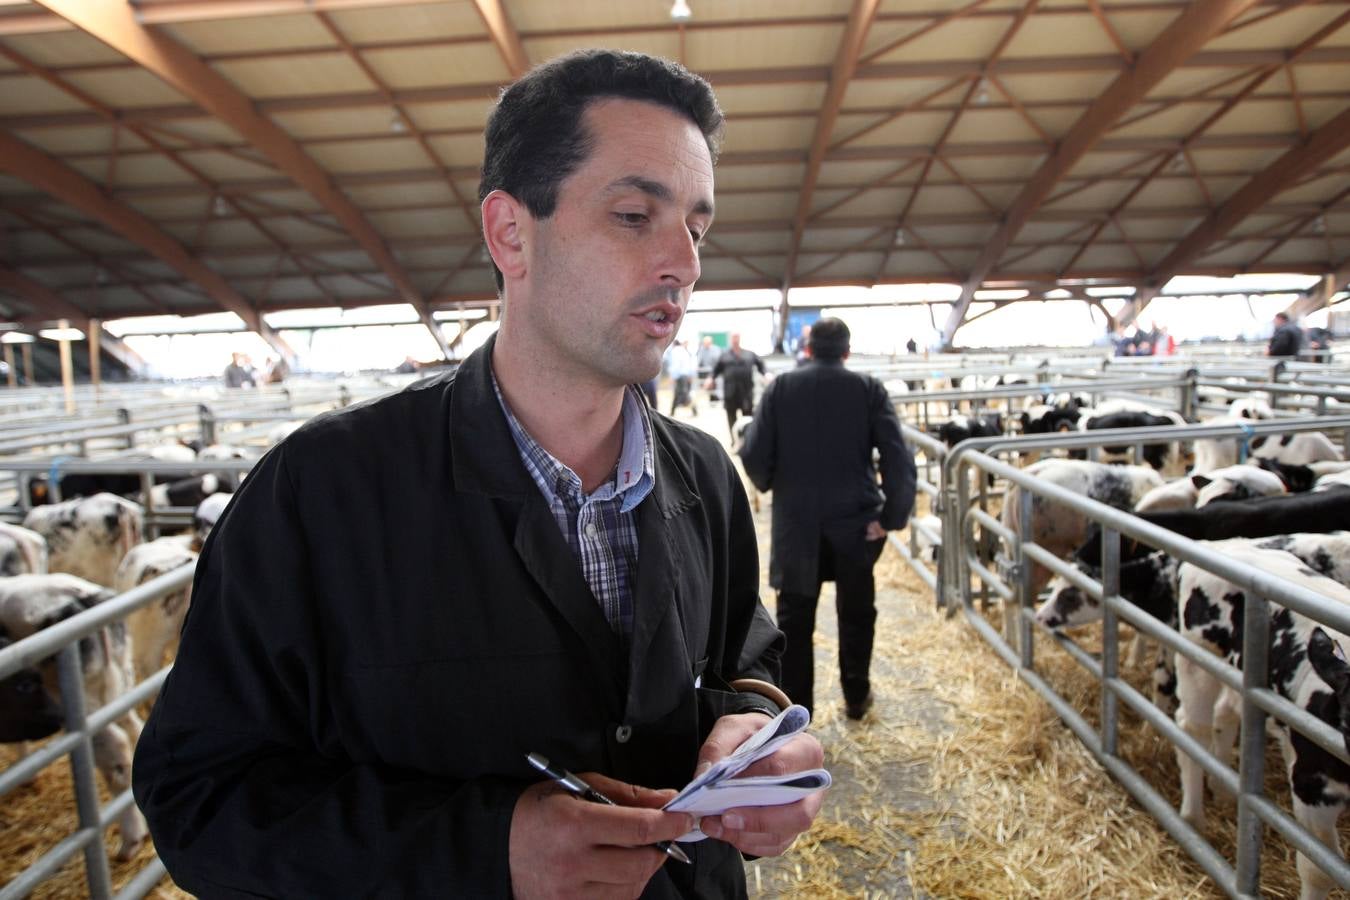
966	559
76	741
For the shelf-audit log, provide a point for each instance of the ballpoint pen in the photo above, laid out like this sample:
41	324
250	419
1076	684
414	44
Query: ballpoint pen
586	792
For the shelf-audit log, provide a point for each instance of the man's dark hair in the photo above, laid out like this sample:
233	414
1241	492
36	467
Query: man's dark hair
536	137
1282	317
829	339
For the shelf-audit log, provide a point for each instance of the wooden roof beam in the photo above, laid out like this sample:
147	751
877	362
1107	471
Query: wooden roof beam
72	188
845	62
1320	294
1182	39
504	36
115	23
41	298
1324	143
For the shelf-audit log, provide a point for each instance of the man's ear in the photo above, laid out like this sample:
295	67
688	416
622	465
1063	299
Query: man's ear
506	223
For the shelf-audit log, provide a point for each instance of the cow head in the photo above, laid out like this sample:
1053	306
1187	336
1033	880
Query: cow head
1067	605
1329	663
27	711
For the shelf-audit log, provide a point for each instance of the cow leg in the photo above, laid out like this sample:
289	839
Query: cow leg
1197	692
1321	821
112	754
1138	650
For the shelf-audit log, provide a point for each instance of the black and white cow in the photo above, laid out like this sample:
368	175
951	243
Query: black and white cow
1197	491
962	427
206	515
22	551
1056	527
190	491
155	627
88	537
1297	479
1042	418
1298	449
1211	610
1123	414
30	603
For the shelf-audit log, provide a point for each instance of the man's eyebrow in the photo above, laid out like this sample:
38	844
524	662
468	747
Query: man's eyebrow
656	189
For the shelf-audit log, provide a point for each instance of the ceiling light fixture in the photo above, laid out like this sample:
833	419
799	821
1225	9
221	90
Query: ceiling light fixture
680	11
900	237
982	95
16	337
219	207
397	125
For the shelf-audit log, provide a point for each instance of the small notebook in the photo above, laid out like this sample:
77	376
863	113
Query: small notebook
718	789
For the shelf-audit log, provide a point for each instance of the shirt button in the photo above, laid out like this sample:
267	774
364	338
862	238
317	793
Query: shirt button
623	733
590	530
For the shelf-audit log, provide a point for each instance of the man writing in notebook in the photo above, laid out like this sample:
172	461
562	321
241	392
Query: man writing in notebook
409	596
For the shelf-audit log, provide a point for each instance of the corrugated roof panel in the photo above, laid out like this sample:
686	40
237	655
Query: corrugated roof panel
723	50
369	156
278	32
411	22
414	67
62	48
317	74
659	43
126	88
21	94
749	136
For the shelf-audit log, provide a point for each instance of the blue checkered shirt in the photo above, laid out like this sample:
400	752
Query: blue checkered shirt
600	528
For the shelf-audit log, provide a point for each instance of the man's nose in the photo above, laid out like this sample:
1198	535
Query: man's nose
680	265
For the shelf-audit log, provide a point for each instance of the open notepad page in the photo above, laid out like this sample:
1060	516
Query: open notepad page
718	789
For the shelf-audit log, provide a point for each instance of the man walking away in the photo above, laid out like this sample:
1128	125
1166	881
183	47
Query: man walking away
811	444
737	368
1287	339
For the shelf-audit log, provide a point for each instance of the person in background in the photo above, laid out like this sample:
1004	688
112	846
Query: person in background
708	355
804	346
407	367
1163	342
912	346
239	373
811	443
681	367
1319	345
737	367
1287	339
410	595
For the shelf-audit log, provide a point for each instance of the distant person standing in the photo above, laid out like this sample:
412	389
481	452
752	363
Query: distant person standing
277	370
708	355
681	367
737	368
911	346
804	346
239	373
1287	339
811	444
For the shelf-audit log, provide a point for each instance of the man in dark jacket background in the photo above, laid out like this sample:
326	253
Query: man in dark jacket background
811	444
737	367
1287	339
410	595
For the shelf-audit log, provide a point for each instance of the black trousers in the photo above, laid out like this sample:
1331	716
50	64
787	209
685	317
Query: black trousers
855	607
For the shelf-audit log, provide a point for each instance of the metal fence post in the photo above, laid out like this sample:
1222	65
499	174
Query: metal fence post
1110	637
207	423
1025	600
82	765
1251	769
124	417
1186	402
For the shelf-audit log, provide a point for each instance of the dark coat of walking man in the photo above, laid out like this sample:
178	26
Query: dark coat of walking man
811	444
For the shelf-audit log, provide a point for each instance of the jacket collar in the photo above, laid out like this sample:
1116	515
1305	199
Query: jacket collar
486	460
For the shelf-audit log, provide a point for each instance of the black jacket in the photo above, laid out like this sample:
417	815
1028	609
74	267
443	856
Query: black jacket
387	619
811	444
1286	341
737	368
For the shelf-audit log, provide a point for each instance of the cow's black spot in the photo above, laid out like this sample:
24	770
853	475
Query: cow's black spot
1114	489
1287	651
1257	442
1313	766
1321	560
1068	602
1199	610
1285	439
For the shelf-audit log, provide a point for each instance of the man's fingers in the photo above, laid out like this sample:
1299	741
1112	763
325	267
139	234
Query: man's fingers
801	753
625	794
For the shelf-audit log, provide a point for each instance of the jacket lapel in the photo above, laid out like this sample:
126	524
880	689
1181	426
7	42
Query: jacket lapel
487	461
661	520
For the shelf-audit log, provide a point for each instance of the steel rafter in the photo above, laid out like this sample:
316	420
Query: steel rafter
504	36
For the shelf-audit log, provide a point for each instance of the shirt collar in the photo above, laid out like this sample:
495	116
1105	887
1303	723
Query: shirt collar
635	474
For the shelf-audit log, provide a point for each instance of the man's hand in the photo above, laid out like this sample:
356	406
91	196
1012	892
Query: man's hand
762	830
874	531
563	846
